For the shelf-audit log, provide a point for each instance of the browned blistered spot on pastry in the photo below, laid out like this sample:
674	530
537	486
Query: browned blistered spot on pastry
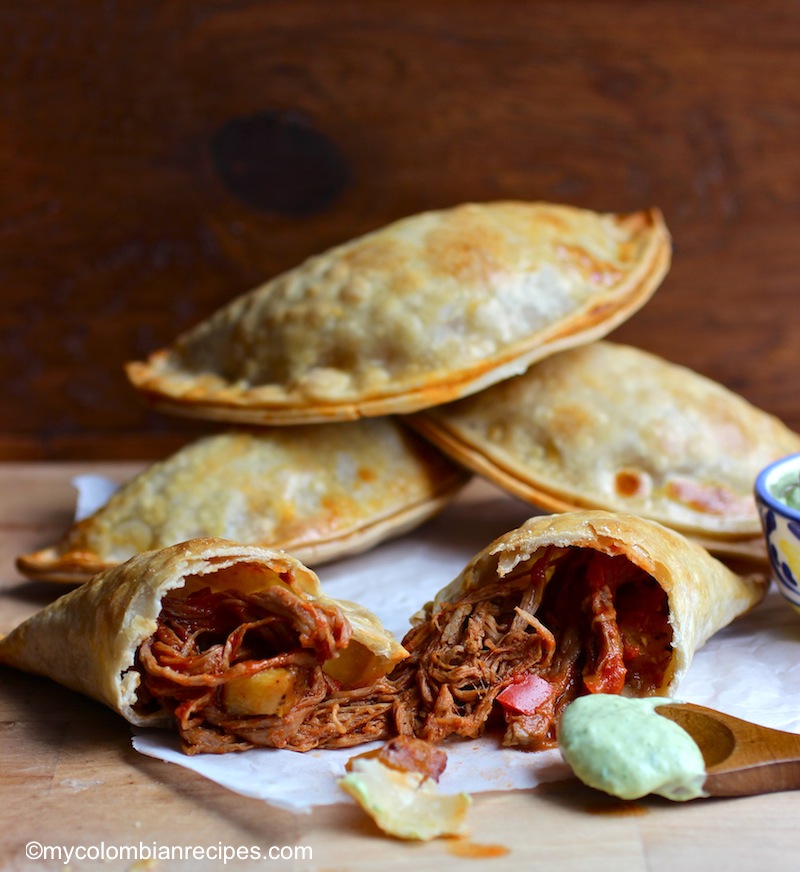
627	482
627	251
384	256
378	253
458	258
567	419
330	504
466	251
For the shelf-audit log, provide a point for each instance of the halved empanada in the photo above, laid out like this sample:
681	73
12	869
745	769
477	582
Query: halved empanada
319	492
568	604
237	646
428	309
610	426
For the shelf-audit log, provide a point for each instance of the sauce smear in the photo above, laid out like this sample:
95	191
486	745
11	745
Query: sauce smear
474	851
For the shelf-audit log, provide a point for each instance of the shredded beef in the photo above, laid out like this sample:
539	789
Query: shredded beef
467	654
581	620
209	638
557	620
408	754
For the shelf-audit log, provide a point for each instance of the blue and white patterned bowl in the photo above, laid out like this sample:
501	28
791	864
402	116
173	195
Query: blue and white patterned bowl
781	525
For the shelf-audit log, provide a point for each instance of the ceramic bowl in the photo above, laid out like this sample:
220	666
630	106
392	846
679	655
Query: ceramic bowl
781	524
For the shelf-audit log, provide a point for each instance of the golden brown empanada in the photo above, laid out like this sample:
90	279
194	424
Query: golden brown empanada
610	426
235	645
319	492
426	310
568	604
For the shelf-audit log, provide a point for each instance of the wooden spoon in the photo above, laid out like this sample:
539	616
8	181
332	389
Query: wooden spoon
741	758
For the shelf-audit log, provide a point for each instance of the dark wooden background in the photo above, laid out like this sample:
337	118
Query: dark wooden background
159	158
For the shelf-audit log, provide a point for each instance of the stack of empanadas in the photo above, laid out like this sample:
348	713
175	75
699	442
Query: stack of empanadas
485	319
480	328
431	308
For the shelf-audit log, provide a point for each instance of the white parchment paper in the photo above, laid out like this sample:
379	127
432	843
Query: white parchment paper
750	669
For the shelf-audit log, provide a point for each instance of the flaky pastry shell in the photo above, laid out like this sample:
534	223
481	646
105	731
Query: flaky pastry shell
318	492
426	310
88	639
611	426
703	595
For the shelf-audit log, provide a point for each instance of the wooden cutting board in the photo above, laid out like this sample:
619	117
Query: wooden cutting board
70	781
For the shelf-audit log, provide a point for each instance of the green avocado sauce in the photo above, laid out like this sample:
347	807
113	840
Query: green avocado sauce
624	747
787	490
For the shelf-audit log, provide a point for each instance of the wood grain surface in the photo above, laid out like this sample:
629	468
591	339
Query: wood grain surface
157	159
69	779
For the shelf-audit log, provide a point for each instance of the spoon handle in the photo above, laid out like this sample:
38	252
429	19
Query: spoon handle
741	758
769	777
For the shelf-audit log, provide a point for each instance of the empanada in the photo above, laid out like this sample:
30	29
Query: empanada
426	310
610	426
235	645
581	602
319	492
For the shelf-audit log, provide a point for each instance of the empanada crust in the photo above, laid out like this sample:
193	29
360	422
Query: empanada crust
703	594
87	639
610	426
426	310
318	492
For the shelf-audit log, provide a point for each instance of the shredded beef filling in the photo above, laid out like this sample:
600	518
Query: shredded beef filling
210	638
584	621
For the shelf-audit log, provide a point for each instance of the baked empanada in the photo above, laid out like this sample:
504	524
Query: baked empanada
426	310
318	492
237	646
581	602
610	426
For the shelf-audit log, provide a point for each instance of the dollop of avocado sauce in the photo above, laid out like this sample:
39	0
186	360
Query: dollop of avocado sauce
624	747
